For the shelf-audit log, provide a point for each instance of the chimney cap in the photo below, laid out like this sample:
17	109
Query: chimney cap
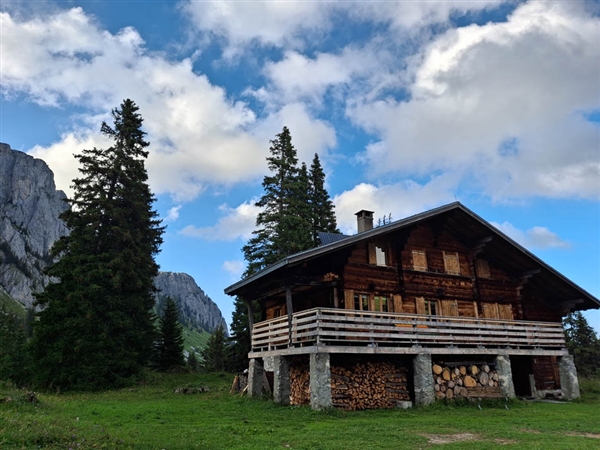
364	213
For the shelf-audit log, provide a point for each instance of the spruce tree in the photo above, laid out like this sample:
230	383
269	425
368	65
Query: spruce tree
170	343
583	343
283	226
15	363
213	355
96	326
322	214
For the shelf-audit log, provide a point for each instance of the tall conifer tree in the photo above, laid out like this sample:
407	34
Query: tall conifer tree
322	214
170	342
283	226
96	328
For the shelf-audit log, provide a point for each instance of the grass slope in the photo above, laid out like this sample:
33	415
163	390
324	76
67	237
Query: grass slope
194	340
151	416
11	305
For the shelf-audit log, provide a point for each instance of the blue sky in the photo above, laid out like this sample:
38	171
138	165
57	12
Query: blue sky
410	105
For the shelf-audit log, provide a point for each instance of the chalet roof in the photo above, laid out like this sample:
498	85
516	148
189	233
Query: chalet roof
468	226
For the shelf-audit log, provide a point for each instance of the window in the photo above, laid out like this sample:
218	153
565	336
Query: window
277	312
380	304
419	258
431	307
380	256
451	263
361	302
428	307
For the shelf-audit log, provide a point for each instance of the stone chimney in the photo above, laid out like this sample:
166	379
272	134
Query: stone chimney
364	219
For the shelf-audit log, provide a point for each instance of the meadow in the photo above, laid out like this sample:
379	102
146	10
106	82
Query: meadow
151	416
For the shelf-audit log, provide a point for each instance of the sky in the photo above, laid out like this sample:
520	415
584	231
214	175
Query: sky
410	105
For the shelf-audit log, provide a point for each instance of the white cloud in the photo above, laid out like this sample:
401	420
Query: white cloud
172	214
526	81
234	268
309	135
264	22
400	200
291	24
236	223
199	136
536	237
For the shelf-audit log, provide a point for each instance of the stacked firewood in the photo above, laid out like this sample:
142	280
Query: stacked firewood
368	386
465	380
299	382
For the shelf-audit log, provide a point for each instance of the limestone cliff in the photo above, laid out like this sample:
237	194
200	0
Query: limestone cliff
29	208
29	226
196	308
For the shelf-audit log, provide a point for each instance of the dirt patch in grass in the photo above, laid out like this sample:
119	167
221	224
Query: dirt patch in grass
505	441
588	435
527	430
451	438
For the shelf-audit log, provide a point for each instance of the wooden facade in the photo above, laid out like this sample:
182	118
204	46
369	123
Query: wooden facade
444	282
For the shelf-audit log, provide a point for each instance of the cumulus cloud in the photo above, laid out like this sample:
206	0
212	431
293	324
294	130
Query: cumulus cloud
235	223
291	24
536	237
524	82
234	268
199	136
400	199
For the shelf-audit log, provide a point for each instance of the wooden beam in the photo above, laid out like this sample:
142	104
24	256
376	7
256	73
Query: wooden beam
290	310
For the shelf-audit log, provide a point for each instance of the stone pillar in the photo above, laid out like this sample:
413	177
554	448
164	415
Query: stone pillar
255	377
569	382
281	380
320	381
505	379
424	392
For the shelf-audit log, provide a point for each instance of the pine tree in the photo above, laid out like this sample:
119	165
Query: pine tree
192	362
213	355
15	364
170	343
583	343
283	226
322	214
96	327
237	351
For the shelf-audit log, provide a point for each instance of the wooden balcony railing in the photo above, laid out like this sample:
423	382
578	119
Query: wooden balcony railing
340	327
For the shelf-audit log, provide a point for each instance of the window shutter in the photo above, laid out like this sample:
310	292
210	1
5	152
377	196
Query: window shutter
420	304
349	298
372	254
397	303
483	268
419	260
449	308
505	312
490	310
451	264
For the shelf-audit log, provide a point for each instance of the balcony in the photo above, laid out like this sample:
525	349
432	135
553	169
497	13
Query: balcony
350	331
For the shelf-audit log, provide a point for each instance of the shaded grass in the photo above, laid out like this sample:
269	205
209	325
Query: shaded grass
151	416
11	305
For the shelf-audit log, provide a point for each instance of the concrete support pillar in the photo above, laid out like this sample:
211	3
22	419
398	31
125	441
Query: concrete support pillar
424	392
281	380
505	378
255	377
569	383
320	381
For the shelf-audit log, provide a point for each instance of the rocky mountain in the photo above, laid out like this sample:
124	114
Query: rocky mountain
29	208
196	308
29	223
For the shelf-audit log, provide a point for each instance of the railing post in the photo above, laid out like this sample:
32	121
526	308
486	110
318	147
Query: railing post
318	326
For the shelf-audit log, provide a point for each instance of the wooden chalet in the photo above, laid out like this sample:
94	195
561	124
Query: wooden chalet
438	305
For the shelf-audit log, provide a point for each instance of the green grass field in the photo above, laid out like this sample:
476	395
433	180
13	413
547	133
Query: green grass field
152	416
10	305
